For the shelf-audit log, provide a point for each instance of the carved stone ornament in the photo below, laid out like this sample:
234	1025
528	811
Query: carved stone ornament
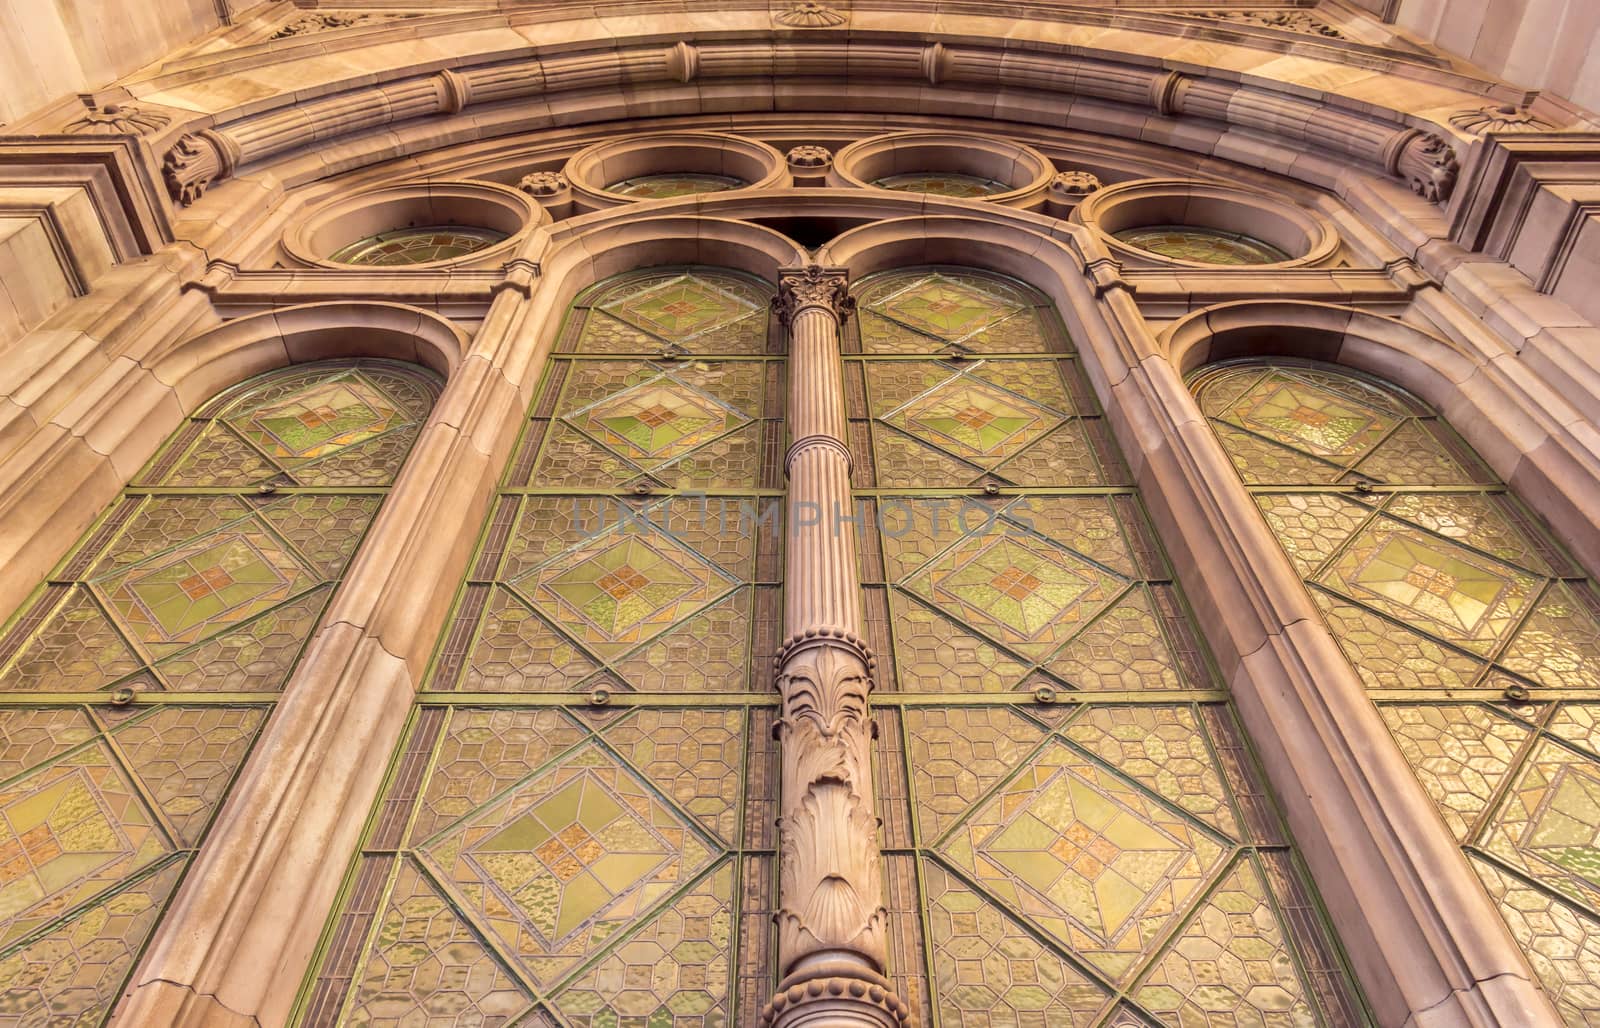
115	119
1074	184
810	157
813	286
809	14
1306	23
828	850
1428	162
544	183
313	22
1499	118
195	161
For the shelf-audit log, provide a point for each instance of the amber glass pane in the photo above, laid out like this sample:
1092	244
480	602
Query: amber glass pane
663	187
1478	638
207	576
1204	245
417	245
540	856
941	183
1076	833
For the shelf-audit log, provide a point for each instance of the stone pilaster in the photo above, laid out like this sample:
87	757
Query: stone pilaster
831	922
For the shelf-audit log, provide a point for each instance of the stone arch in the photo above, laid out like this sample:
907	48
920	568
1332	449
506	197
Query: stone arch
119	420
1532	438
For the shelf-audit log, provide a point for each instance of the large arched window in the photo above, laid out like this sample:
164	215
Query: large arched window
1075	831
136	680
580	819
1477	636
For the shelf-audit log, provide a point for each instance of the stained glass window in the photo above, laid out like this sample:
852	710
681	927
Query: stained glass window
135	682
1075	831
1203	245
942	183
417	245
578	827
663	187
1477	636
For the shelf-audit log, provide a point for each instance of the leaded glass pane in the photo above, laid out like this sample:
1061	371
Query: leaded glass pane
942	183
207	576
1086	837
1202	245
417	245
663	187
1450	600
579	823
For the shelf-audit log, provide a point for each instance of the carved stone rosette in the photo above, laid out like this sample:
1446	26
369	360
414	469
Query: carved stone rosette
832	926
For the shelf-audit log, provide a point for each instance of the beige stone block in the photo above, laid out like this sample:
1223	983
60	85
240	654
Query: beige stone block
32	280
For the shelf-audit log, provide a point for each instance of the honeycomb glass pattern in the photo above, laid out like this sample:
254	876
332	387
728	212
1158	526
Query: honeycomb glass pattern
1478	638
423	245
1113	860
193	582
1202	245
578	825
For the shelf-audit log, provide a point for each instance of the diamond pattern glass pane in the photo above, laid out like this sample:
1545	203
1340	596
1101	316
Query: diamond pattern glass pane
579	823
192	583
1109	861
1449	599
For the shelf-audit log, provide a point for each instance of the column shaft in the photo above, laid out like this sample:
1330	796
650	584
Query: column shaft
832	926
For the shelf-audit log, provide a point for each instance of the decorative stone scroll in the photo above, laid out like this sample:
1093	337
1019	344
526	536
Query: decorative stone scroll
313	22
1304	22
832	925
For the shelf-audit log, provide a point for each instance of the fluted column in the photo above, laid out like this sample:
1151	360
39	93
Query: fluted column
831	921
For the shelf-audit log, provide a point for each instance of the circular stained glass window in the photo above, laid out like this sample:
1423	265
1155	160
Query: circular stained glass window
662	187
417	245
1202	245
942	184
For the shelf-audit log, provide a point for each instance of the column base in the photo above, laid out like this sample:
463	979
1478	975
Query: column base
855	998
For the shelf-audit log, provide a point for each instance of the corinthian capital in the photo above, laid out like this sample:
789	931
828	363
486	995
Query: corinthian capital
813	286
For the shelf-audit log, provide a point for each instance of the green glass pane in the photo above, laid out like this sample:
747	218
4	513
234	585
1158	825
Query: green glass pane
1446	596
663	187
1202	245
942	183
422	245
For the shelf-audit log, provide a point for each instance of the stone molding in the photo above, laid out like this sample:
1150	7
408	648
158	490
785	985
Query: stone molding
1025	171
594	169
1309	237
1424	161
315	234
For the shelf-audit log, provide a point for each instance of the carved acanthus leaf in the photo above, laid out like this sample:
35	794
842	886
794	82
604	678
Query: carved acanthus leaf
828	863
195	161
1305	22
326	21
828	686
813	286
1428	162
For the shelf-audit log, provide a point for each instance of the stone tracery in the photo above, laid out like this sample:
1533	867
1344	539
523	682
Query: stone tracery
694	412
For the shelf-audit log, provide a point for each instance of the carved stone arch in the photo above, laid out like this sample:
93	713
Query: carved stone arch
1533	439
590	249
120	418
